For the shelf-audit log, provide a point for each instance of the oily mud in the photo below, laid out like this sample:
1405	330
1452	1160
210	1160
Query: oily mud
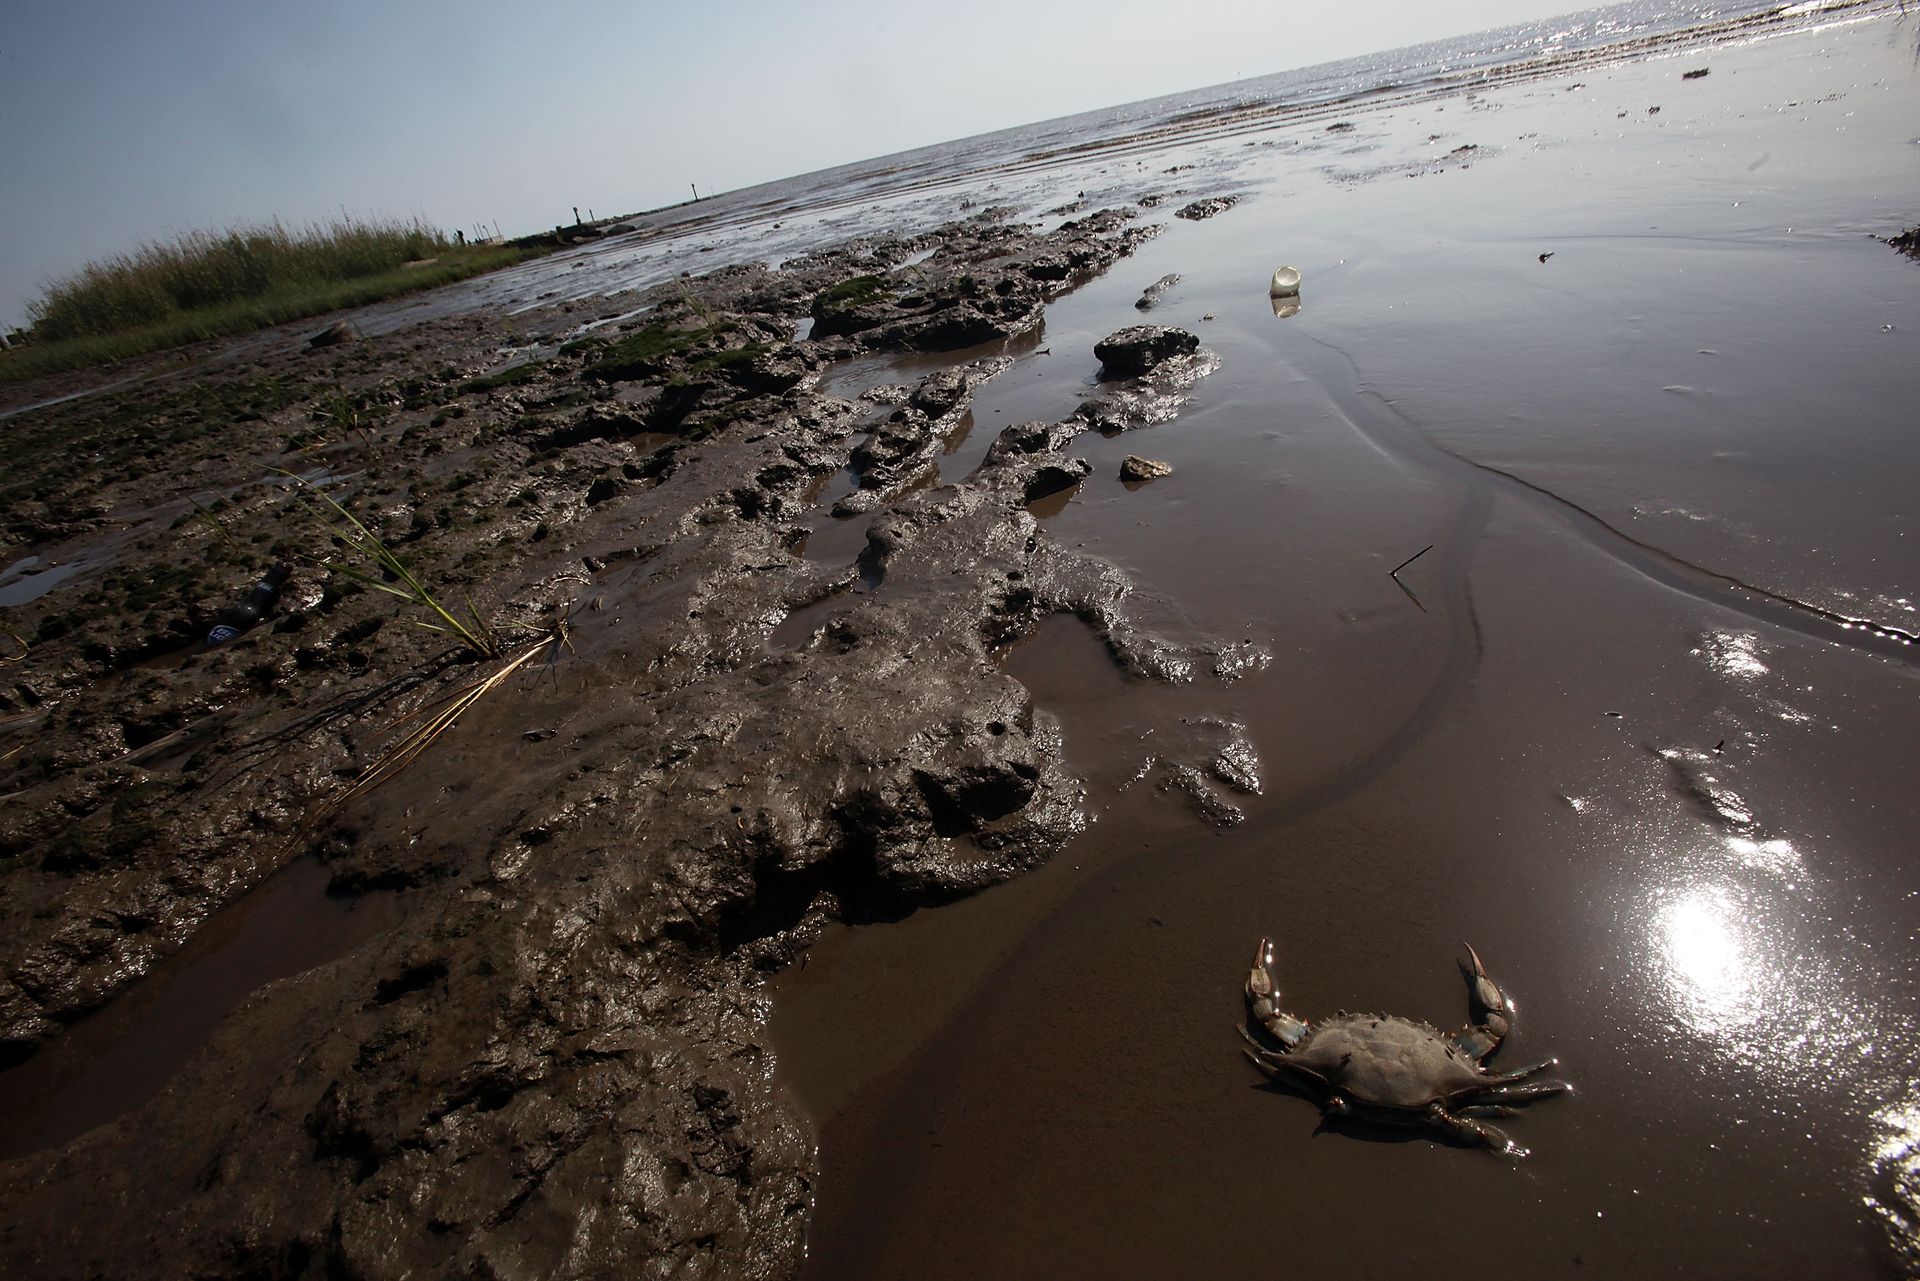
550	1047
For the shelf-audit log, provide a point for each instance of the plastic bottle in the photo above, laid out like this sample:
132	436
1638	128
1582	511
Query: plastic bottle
235	619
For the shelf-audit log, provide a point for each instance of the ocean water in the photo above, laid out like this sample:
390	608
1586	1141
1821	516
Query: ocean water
1034	169
1440	64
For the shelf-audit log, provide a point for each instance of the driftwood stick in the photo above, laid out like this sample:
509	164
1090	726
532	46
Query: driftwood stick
1394	573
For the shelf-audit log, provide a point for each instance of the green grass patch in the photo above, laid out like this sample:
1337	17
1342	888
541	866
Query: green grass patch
720	364
646	351
388	573
279	305
848	294
511	376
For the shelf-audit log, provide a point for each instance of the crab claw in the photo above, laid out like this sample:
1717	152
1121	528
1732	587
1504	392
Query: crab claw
1263	1000
1491	1011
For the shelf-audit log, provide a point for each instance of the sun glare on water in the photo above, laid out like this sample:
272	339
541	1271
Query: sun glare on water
1708	967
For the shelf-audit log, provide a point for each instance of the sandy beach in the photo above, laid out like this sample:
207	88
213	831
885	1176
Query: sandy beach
860	876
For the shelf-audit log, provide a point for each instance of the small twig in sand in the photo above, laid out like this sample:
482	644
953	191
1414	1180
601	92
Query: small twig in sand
403	753
1394	573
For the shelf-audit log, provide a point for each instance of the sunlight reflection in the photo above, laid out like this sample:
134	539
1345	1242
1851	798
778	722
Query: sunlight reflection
1704	953
1776	855
1735	977
1894	1180
1731	654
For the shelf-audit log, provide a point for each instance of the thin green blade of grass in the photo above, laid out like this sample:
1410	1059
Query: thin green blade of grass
365	543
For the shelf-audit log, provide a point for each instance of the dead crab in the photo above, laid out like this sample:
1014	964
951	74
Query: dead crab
1401	1071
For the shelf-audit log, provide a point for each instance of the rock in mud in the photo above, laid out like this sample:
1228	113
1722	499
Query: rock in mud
1151	295
1207	208
1132	352
1136	468
1151	397
340	331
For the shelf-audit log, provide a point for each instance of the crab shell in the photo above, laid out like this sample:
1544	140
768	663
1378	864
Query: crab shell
1386	1062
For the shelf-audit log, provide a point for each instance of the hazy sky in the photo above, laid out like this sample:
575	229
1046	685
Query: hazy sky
126	122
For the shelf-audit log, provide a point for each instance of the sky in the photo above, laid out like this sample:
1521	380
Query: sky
123	123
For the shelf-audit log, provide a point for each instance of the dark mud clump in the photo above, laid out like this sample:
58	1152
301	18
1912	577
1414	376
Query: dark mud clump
1155	293
1132	352
553	1064
1206	208
948	301
1908	242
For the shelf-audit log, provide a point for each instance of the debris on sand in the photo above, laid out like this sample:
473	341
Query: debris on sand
1136	468
340	331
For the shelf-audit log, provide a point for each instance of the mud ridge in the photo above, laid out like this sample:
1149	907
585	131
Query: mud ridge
552	1065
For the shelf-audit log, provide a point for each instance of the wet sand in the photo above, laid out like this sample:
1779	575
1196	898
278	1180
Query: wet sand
1639	728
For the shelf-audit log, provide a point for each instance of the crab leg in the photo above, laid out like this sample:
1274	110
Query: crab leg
1263	1000
1473	1131
1521	1093
1274	1062
1491	1011
1508	1078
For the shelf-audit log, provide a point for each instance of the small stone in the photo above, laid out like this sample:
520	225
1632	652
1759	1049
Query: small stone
338	332
1137	468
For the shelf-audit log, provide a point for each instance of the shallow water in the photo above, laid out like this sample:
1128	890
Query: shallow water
112	1061
1623	729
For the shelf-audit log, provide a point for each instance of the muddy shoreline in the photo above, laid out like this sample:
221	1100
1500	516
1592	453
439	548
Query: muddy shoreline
833	602
548	1048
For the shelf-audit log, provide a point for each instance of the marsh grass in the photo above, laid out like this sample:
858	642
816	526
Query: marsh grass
207	269
442	716
204	516
393	576
347	413
208	284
